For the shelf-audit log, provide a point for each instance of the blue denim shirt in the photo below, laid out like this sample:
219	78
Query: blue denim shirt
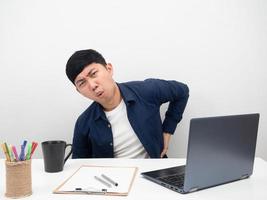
93	134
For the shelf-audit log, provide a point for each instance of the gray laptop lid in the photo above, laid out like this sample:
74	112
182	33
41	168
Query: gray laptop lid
220	150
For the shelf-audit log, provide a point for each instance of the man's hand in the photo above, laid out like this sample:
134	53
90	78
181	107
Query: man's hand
166	138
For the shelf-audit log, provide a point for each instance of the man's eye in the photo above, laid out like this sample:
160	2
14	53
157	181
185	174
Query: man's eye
81	83
93	73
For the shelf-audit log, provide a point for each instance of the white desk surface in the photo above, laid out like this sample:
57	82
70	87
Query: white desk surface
44	183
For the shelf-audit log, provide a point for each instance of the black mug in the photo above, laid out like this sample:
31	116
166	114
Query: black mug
53	154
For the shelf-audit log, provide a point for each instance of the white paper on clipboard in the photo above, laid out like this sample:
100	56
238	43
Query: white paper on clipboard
84	178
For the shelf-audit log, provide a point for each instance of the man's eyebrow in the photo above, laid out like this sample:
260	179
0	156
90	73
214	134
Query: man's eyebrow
82	79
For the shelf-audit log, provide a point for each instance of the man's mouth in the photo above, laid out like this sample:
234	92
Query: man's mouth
98	94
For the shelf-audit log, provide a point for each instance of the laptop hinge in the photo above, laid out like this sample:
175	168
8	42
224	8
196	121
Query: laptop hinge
244	176
193	189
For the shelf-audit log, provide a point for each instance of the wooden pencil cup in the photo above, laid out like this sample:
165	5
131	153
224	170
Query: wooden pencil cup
18	179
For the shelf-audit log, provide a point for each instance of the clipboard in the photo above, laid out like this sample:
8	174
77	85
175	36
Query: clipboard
84	181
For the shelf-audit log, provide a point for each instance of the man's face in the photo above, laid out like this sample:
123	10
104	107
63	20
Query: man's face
95	82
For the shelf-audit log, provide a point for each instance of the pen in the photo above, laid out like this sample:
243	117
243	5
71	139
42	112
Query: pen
15	152
29	151
5	151
102	181
21	155
109	180
11	154
34	145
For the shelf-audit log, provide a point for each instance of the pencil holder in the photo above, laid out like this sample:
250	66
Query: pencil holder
18	179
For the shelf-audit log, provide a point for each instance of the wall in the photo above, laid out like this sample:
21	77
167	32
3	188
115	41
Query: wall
217	47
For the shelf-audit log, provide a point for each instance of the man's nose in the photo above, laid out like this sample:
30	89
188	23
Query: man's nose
92	85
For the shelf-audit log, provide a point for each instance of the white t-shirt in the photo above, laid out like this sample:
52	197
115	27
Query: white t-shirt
125	142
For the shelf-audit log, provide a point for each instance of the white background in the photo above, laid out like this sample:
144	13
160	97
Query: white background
219	48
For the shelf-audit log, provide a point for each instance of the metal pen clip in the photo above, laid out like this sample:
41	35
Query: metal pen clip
91	190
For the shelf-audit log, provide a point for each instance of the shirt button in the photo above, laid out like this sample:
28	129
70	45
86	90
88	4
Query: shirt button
109	125
111	144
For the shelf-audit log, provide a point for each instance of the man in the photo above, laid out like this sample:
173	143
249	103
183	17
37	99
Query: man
124	119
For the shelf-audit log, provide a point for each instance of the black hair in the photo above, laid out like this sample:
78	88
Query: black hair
80	59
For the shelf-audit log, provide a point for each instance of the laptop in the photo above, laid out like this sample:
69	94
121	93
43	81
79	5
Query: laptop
220	150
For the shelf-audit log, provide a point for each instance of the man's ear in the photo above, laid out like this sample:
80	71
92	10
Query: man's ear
109	68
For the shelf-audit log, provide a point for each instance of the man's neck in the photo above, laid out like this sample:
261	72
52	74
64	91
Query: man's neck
115	101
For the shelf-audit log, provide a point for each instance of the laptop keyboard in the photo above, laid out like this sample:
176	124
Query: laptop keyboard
174	179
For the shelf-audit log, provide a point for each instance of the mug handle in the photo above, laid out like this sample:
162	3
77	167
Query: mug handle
68	153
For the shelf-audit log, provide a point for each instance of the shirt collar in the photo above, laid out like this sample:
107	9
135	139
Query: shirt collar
127	94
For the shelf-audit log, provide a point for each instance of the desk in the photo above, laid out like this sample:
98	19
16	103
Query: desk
43	183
